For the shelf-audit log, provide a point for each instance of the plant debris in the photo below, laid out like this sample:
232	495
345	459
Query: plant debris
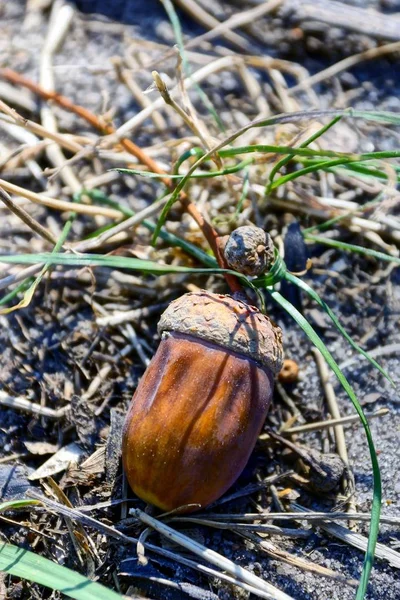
102	118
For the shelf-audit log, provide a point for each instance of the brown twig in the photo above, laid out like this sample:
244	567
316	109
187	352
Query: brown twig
208	231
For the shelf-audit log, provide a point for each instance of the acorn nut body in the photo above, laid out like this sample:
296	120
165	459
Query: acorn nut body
199	408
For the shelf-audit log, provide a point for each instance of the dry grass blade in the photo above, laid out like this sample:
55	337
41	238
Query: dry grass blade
60	21
237	20
345	64
90	330
209	22
233	579
328	423
356	540
295	561
125	225
333	408
259	527
372	23
211	556
214	66
21	403
63	140
294	516
26	218
61	205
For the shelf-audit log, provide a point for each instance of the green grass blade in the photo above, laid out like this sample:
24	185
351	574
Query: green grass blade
306	143
347	160
318	166
356	211
361	171
274	275
377	493
166	236
357	169
29	292
21	288
114	262
377	116
308	153
15	504
352	248
203	175
313	294
196	151
28	565
330	165
120	262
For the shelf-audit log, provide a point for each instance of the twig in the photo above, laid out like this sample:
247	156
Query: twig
208	231
66	103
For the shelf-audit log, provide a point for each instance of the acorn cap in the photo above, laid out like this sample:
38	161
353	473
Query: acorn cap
249	250
226	322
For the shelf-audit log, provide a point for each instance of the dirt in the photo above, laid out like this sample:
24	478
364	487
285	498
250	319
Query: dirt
51	351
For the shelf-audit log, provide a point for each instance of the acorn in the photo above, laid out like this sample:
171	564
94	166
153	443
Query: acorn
200	406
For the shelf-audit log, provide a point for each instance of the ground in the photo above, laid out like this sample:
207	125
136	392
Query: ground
58	353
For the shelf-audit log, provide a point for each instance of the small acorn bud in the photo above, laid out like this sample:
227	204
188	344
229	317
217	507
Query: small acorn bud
199	408
249	250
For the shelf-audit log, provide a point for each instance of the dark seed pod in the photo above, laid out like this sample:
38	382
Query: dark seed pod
200	406
249	250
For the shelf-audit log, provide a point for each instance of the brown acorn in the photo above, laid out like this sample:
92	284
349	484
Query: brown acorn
199	408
